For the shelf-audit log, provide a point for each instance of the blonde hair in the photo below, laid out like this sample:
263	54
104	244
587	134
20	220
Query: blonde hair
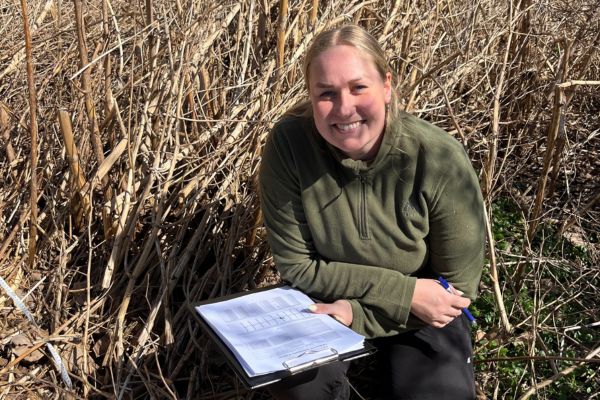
349	35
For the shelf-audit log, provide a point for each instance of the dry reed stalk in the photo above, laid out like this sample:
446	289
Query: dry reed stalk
489	170
111	159
281	36
212	37
260	43
561	140
81	203
451	112
109	104
558	112
120	234
247	44
391	18
572	82
13	232
190	102
206	99
187	253
103	169
314	11
33	130
91	109
5	134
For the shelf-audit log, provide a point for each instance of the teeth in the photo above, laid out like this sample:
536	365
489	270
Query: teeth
347	127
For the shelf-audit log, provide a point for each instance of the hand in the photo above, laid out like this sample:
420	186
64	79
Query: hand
436	306
339	309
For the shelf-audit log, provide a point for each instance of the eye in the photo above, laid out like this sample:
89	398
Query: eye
359	88
326	94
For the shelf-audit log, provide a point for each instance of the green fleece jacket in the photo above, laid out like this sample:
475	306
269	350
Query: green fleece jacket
346	229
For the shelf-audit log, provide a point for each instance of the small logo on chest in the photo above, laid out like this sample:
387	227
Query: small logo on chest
408	209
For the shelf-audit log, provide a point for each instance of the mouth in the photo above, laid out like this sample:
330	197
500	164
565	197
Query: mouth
348	127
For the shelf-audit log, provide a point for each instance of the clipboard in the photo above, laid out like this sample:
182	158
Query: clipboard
290	367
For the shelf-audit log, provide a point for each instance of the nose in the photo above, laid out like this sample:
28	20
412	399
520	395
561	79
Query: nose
344	106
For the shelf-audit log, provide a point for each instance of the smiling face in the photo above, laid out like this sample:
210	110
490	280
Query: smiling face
349	97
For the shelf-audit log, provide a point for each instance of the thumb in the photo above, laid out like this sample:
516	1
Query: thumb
321	308
324	308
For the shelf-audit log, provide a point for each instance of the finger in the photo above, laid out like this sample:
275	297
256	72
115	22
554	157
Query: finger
459	301
454	312
448	319
455	291
442	322
464	302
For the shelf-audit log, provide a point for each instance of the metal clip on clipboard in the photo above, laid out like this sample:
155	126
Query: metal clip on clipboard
297	363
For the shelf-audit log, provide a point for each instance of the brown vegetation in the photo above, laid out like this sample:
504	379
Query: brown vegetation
130	138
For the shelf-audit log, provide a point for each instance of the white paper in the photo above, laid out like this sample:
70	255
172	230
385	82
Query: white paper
273	330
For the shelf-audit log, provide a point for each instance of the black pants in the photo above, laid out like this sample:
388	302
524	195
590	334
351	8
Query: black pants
430	363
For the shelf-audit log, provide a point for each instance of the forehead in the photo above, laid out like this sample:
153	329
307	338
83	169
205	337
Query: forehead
341	63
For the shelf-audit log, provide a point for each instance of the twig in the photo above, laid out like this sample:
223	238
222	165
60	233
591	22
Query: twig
571	82
569	221
538	358
494	273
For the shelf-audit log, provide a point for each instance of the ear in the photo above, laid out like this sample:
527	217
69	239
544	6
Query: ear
387	87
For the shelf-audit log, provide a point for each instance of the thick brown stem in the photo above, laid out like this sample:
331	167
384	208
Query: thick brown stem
33	129
281	28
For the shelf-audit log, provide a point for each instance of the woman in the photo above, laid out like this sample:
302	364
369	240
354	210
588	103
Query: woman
365	207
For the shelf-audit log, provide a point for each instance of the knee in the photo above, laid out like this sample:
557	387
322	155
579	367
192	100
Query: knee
328	382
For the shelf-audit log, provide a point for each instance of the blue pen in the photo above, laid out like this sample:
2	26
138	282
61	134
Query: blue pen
465	310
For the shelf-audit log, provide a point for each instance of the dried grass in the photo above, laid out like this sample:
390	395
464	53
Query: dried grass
151	118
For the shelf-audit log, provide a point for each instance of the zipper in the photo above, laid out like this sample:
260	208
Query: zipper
363	225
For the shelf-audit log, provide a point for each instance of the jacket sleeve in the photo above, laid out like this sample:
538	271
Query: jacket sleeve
456	221
300	264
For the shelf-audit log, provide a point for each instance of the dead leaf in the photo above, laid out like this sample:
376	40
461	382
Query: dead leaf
21	344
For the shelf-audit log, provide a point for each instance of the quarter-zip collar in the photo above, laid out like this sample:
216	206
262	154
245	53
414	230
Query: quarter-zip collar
362	167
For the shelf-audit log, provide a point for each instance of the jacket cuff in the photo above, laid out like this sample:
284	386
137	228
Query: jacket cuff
406	301
358	317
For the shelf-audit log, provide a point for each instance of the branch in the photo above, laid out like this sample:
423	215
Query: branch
562	373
